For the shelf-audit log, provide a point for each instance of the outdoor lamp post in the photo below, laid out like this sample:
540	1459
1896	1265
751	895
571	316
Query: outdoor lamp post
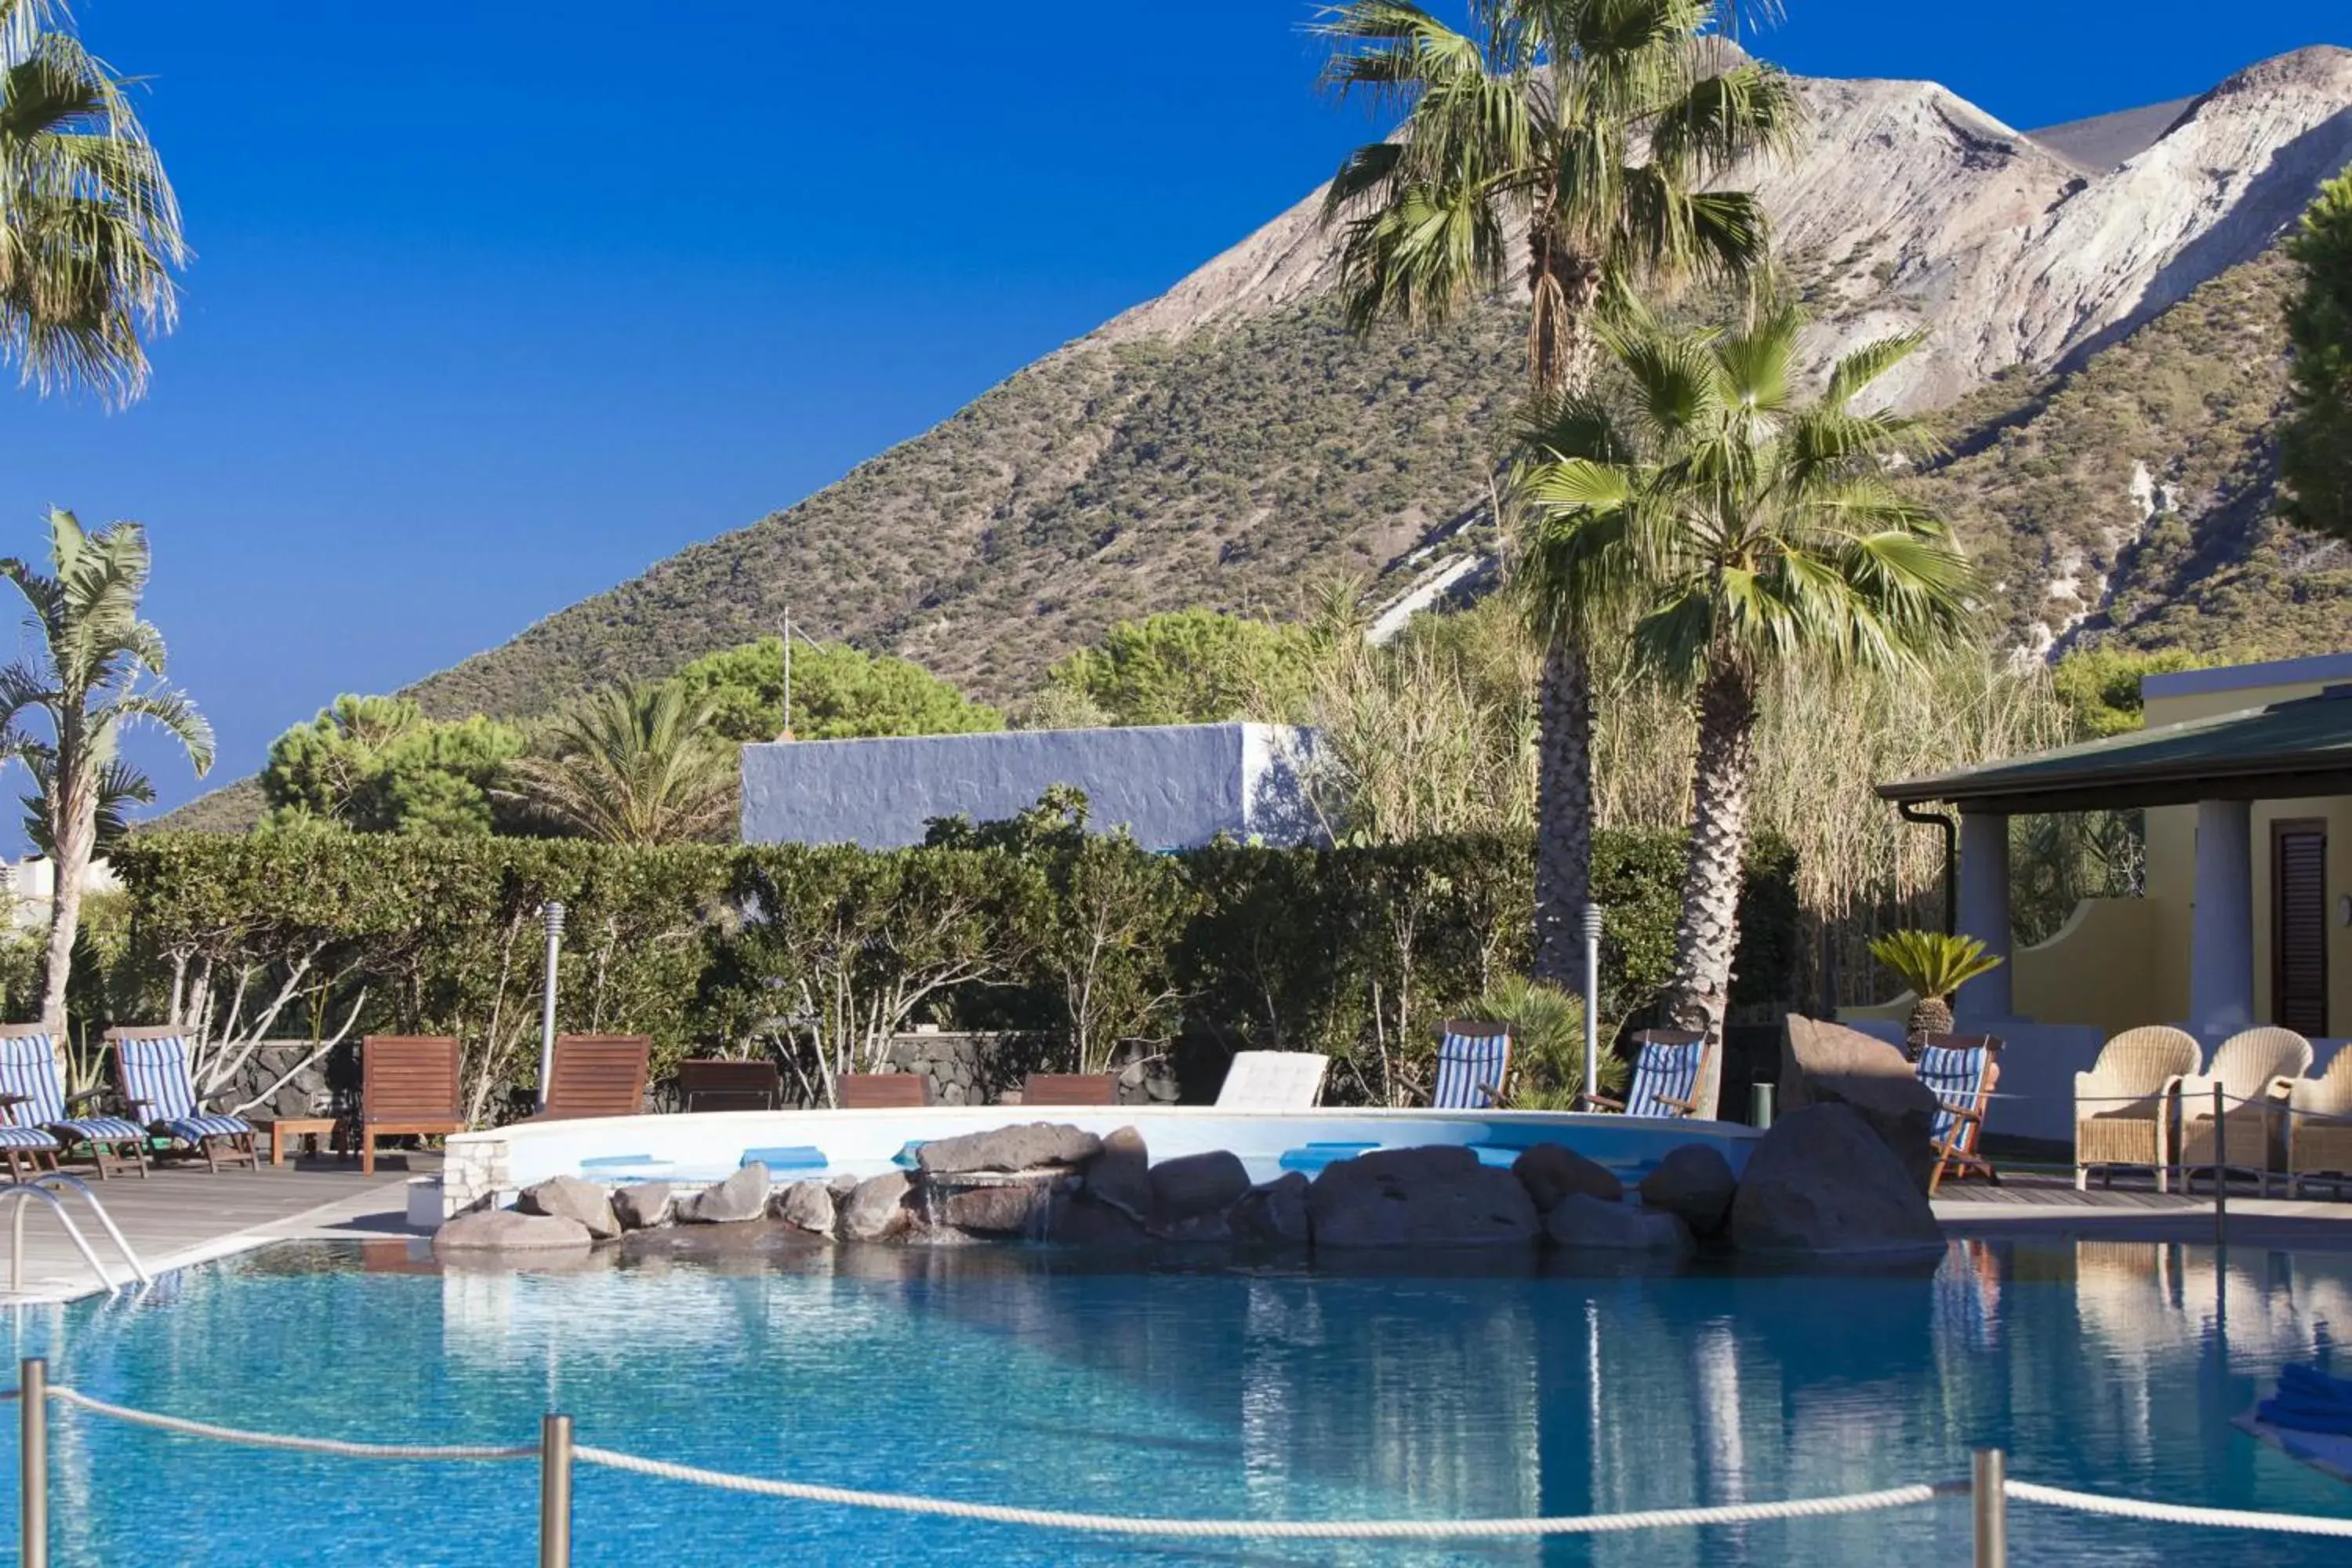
555	913
1592	998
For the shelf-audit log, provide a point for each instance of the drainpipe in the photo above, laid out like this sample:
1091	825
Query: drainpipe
1951	832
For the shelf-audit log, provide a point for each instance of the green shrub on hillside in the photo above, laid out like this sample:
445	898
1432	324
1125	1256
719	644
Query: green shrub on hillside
839	693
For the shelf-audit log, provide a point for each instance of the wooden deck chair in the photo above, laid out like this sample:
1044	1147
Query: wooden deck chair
2256	1070
408	1087
712	1084
151	1071
1669	1065
596	1076
882	1091
1474	1067
2319	1126
1273	1080
27	1052
1959	1070
2124	1106
1070	1089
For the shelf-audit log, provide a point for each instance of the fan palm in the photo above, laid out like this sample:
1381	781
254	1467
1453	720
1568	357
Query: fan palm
1934	964
90	230
97	670
1752	534
1590	128
632	764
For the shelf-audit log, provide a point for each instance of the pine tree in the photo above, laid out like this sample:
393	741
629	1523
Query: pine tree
2315	442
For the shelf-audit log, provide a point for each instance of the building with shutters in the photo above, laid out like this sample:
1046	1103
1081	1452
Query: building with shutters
2245	776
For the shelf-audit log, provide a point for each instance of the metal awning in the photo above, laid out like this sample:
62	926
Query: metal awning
2287	751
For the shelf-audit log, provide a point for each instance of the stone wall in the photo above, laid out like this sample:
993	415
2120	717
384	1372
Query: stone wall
983	1069
311	1092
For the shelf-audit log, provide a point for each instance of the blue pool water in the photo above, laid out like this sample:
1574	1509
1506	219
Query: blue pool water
1014	1375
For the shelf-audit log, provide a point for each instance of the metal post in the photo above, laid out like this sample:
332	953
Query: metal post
554	1491
33	1450
1592	998
2221	1166
1759	1106
1988	1503
555	913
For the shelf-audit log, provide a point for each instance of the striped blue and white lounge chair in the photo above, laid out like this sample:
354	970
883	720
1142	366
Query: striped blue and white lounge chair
1959	1070
1474	1067
151	1068
1667	1066
33	1080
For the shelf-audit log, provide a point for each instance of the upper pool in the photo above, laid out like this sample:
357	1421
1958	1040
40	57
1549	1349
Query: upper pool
1013	1374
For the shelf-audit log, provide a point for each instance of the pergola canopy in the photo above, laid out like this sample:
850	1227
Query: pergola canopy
2287	751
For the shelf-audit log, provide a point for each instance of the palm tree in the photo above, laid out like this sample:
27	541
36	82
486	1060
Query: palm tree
1755	537
632	764
85	679
89	227
1590	126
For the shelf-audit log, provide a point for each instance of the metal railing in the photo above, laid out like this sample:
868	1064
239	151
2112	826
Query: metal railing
42	1186
1989	1488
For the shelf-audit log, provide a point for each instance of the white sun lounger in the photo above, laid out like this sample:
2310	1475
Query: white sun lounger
1273	1080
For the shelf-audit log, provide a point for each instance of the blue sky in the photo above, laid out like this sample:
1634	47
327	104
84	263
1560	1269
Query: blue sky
489	316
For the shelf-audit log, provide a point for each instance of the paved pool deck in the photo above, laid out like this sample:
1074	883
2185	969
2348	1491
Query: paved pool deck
184	1214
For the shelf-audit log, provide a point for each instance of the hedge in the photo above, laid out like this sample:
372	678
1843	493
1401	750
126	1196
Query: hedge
820	954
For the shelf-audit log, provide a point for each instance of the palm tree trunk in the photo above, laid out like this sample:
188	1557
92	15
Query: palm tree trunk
1708	934
73	846
1563	813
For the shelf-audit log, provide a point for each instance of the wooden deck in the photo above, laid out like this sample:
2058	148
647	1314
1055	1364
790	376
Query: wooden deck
2041	1202
180	1214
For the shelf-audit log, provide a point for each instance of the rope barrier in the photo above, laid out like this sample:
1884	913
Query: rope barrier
1886	1498
1285	1530
183	1427
2177	1513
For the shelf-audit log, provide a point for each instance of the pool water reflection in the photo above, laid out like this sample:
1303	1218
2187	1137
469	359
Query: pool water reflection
1016	1375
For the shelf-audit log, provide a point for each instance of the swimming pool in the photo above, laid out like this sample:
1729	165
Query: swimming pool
1018	1375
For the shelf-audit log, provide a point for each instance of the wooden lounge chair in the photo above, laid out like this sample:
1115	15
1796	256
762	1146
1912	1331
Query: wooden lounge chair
596	1076
1668	1066
1474	1067
151	1071
1070	1089
1959	1070
29	1146
2124	1106
882	1091
711	1084
1273	1080
408	1087
2319	1126
2256	1071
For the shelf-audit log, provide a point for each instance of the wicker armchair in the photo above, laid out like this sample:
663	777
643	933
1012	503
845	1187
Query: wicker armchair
2319	1126
2256	1070
2124	1106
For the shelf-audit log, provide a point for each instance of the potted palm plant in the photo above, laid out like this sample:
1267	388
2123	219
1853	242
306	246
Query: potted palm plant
1933	965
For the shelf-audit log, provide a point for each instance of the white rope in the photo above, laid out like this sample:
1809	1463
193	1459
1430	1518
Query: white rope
275	1440
2177	1513
1289	1529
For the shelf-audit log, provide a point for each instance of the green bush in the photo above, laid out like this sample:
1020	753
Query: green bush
821	955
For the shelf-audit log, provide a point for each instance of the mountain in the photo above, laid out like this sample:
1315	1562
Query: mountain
2105	355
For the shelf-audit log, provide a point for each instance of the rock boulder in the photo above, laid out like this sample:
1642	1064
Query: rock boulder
1553	1171
1582	1221
808	1204
1008	1208
1695	1184
1821	1181
642	1206
1120	1176
741	1197
1190	1195
878	1209
1429	1197
1829	1064
569	1197
1276	1214
1023	1148
511	1230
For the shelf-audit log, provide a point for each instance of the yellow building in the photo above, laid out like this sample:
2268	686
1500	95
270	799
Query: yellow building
2245	774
